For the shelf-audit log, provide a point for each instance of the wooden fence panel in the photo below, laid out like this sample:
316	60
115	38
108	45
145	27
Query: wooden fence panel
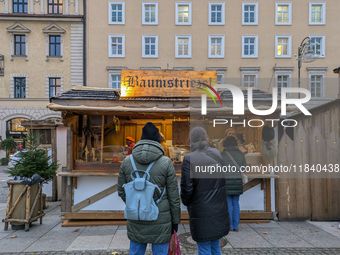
333	182
302	180
318	185
286	186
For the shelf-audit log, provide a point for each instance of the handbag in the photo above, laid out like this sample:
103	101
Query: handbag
244	177
174	248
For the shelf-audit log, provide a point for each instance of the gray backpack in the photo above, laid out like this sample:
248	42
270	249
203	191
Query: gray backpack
139	195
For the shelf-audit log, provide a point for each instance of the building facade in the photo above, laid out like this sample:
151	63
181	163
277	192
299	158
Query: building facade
41	47
251	43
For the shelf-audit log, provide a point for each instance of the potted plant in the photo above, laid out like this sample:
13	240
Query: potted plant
31	161
8	145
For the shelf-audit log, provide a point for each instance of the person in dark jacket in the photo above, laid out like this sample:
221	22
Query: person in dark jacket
205	198
162	174
233	180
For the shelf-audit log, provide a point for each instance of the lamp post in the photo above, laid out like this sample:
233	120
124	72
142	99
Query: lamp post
2	65
305	55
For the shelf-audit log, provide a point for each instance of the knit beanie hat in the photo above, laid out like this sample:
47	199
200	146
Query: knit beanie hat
150	132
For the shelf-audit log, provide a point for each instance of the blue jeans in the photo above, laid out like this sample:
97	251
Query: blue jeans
209	248
157	248
234	211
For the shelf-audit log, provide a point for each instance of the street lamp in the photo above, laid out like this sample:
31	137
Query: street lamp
305	54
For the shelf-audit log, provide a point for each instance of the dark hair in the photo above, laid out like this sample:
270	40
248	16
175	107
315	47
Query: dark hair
240	137
199	135
230	141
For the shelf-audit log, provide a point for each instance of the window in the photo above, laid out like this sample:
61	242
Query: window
55	86
19	87
249	13
281	82
249	80
114	77
283	78
216	13
317	13
19	6
283	13
150	13
183	46
20	46
249	76
115	82
150	46
216	46
316	85
318	43
183	13
19	41
283	46
249	46
55	45
54	42
55	6
116	46
117	13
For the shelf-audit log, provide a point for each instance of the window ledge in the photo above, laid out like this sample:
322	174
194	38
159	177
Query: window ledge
19	57
61	58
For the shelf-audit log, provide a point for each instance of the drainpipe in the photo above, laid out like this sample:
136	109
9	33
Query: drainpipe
84	42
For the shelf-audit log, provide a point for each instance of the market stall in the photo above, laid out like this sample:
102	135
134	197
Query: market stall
99	120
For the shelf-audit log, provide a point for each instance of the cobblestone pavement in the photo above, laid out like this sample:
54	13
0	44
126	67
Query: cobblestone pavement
257	251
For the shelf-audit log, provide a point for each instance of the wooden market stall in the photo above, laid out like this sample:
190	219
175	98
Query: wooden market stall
100	119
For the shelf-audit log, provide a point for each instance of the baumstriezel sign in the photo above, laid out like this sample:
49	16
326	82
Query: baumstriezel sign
164	83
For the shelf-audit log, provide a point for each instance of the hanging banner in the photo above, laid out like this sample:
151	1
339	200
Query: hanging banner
164	83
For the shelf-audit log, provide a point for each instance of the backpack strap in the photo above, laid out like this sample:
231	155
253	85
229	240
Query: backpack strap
160	199
136	170
147	173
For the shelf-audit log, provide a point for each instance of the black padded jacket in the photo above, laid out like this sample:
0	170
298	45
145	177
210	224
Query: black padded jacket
205	198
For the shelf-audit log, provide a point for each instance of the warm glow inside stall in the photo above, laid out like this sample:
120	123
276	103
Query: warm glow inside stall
99	120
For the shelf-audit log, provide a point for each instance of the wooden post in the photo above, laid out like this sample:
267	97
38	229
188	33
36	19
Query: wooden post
8	203
41	203
28	207
63	191
102	141
54	158
268	196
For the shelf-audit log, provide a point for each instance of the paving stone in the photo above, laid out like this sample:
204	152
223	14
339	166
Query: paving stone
246	238
99	231
313	235
281	237
15	245
90	242
120	241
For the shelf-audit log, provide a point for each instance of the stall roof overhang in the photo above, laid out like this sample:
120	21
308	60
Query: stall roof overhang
105	101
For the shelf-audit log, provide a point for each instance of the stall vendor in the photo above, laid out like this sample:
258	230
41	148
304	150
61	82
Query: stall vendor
130	143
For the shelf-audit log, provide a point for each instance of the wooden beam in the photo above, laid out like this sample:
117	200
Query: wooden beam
268	196
102	141
251	184
16	202
257	216
84	223
8	204
68	202
92	215
94	198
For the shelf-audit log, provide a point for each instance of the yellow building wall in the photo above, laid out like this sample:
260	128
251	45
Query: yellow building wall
98	30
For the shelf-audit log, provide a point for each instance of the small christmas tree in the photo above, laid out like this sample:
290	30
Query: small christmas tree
34	161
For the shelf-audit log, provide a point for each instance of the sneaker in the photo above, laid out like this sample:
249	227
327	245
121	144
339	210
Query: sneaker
236	230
